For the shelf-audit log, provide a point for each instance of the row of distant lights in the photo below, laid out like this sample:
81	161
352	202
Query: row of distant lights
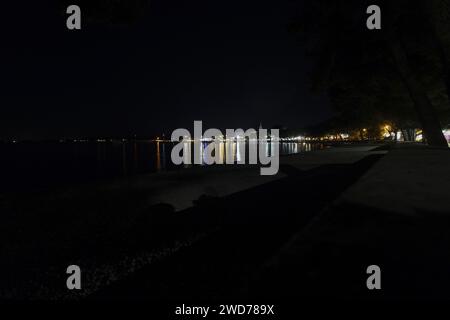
299	138
446	132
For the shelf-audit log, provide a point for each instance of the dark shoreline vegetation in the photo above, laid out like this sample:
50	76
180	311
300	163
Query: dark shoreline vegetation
398	75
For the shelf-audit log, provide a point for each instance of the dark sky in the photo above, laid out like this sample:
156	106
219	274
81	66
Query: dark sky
229	63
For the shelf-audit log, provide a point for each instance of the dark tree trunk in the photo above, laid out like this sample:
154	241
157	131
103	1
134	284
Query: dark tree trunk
408	135
425	111
432	8
445	64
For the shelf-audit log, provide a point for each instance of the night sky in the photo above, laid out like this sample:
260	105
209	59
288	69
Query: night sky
229	63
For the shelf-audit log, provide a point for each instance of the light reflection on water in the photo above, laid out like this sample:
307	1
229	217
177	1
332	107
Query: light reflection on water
228	151
32	165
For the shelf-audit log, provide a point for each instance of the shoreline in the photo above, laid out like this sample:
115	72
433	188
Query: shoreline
103	220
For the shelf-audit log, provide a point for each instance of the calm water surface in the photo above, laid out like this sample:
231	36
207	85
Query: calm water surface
25	166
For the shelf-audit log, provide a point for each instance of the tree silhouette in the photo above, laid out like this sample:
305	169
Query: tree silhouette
394	73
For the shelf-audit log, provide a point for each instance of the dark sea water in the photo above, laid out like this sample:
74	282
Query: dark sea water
32	165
